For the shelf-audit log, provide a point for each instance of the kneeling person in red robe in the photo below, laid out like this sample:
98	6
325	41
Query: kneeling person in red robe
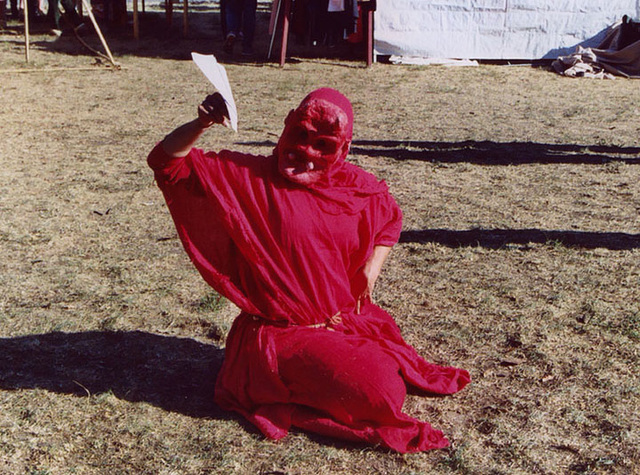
297	240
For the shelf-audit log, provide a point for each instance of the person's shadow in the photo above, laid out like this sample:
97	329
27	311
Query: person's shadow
496	153
176	374
500	238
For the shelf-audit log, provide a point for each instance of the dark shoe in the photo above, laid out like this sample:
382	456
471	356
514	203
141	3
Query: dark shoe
228	43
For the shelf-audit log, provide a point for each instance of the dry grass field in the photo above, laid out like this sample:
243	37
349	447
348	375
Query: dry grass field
519	261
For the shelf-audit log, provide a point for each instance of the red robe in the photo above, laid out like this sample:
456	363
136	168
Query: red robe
287	255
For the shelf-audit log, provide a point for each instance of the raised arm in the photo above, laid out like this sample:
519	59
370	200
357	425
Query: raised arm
211	111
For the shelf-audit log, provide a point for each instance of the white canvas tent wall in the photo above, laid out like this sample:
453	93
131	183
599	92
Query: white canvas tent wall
493	29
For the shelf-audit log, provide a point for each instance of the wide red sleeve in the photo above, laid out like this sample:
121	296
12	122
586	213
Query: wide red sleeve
168	169
200	223
387	218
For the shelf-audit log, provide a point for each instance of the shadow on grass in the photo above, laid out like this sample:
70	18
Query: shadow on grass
498	238
486	153
495	153
176	374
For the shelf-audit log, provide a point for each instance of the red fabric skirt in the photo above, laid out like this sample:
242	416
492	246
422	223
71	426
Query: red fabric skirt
347	381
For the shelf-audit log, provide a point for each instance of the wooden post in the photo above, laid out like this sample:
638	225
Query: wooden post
3	15
136	29
185	19
168	9
285	32
370	11
273	24
26	31
97	28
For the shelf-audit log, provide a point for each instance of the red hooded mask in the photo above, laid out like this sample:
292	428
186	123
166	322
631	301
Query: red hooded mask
313	147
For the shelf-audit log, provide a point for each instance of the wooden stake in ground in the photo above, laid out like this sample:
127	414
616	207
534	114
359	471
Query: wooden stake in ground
97	28
26	32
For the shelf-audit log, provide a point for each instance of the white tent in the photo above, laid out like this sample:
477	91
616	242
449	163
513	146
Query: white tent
494	29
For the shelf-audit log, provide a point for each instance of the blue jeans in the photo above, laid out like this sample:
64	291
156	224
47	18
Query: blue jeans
241	18
69	11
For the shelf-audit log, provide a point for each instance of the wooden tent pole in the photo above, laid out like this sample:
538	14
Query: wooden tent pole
168	9
136	31
285	32
97	28
273	24
370	9
26	30
185	18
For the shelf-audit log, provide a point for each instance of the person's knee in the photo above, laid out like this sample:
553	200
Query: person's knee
351	382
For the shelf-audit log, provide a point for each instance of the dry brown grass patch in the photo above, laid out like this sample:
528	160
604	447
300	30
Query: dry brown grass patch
520	262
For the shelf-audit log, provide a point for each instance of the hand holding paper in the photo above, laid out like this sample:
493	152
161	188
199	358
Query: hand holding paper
213	110
217	75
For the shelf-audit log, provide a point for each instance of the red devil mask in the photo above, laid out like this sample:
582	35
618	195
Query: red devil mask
316	137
